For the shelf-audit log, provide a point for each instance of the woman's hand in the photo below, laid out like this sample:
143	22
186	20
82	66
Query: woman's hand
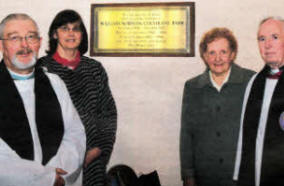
91	155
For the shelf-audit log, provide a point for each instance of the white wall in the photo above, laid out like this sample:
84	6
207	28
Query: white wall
148	91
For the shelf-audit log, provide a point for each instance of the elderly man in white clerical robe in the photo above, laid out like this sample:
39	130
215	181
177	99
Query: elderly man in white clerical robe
42	138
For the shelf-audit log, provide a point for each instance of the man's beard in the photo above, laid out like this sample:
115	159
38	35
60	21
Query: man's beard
24	65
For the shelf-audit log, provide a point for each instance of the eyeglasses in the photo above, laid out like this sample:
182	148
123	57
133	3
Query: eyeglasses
31	39
65	28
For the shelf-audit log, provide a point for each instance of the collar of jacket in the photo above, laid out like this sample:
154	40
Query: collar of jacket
235	76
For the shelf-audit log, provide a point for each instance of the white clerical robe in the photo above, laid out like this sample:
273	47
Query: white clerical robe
15	171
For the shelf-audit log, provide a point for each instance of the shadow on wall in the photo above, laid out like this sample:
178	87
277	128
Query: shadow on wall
123	175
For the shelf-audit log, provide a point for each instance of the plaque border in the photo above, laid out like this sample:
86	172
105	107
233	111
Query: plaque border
162	53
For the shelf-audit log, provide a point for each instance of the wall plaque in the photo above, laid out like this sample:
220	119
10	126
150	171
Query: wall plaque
143	29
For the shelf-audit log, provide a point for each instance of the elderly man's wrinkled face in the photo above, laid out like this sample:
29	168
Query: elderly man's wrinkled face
271	42
219	56
20	45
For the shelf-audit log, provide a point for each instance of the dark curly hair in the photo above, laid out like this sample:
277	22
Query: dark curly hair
217	33
62	18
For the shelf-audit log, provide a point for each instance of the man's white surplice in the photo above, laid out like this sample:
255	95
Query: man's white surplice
15	171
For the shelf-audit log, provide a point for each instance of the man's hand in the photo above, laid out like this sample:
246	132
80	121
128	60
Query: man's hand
59	181
189	182
91	155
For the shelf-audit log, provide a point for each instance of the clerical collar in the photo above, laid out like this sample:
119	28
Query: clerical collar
215	84
16	76
274	71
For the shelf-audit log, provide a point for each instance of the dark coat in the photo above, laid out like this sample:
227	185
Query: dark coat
210	127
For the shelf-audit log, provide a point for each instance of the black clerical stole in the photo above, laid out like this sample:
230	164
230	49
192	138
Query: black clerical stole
272	167
14	124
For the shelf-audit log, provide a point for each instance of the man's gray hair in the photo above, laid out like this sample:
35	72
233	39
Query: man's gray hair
14	16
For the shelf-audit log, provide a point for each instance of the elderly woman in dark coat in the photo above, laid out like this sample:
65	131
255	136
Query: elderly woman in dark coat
87	84
211	110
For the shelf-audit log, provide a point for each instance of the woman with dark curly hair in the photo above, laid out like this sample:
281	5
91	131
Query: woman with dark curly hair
87	83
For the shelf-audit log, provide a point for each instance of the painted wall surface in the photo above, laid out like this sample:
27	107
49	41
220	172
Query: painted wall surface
148	90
